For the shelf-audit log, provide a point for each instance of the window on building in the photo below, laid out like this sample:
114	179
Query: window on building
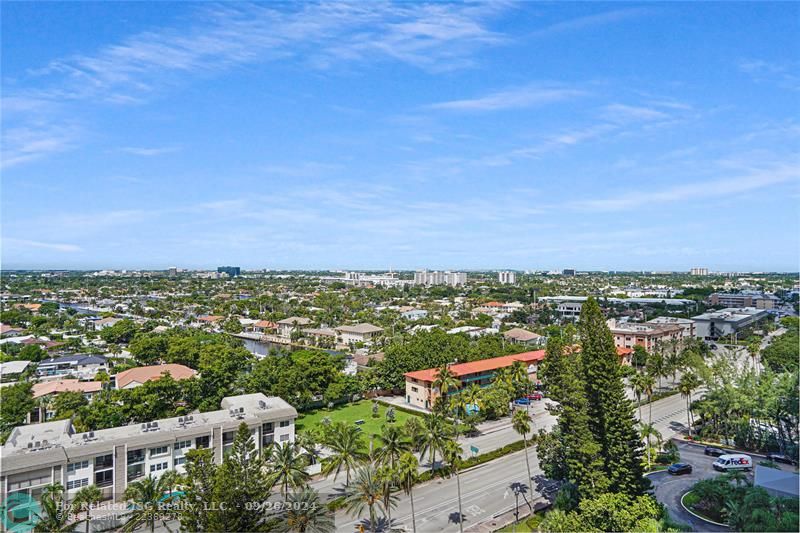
180	460
80	465
414	389
202	442
78	483
228	437
135	456
103	461
104	478
160	450
158	467
183	444
267	427
285	423
284	438
135	471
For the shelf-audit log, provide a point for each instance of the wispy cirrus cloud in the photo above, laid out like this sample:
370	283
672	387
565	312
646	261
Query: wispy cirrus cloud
515	98
51	246
435	36
34	141
749	181
149	151
784	75
589	21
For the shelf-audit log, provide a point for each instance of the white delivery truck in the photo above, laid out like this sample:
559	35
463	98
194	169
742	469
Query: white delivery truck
736	461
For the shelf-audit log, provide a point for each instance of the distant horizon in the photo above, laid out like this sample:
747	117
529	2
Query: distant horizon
404	270
644	136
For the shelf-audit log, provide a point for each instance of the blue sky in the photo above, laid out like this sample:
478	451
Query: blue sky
369	135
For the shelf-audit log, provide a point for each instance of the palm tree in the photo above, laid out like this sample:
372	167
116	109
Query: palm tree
638	384
394	444
387	476
521	422
519	377
306	514
414	429
407	473
307	441
753	348
85	498
452	454
287	467
51	516
348	450
689	382
365	492
433	437
472	396
648	383
445	382
646	431
736	475
146	497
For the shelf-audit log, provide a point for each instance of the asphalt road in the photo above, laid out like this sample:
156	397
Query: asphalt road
488	490
669	488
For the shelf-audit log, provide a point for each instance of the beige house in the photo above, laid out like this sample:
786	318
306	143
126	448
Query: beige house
359	333
288	325
524	337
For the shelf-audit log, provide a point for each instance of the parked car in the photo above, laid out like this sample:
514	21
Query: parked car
535	396
781	458
734	461
679	468
714	451
522	401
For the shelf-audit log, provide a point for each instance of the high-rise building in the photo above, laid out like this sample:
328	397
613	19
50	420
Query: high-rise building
423	277
697	271
507	277
568	272
230	271
172	272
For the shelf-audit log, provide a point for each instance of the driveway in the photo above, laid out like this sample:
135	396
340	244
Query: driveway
669	489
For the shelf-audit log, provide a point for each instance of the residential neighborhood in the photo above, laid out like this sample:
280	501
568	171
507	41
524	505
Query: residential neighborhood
399	266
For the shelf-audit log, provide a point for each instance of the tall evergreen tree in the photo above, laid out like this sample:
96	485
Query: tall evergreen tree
240	481
200	475
579	451
610	412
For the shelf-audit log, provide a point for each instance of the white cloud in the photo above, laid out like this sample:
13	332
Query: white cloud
520	97
589	21
149	152
55	247
627	113
750	181
784	75
28	143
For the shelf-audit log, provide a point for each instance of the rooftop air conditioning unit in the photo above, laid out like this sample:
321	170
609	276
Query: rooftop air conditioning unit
145	427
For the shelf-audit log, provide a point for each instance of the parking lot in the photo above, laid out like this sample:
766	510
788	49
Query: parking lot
669	488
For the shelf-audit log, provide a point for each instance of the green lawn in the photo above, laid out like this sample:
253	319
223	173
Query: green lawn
348	414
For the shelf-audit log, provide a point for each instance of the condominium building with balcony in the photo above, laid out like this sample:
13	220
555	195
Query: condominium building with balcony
53	452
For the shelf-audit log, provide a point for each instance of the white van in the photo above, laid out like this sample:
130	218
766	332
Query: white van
737	461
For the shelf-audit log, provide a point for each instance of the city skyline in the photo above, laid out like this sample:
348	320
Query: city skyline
364	136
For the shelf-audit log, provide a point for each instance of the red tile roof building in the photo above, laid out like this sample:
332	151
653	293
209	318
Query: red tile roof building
419	384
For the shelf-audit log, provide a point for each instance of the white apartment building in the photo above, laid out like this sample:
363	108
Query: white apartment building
38	455
454	279
698	271
507	277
